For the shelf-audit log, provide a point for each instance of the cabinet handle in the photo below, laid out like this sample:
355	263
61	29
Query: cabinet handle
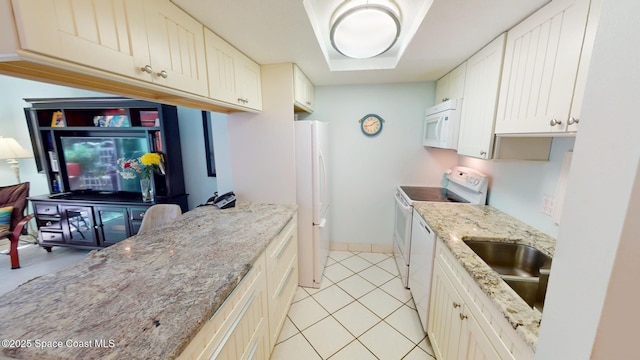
308	102
462	316
573	120
456	305
142	214
555	122
444	99
49	223
147	68
233	327
483	153
163	74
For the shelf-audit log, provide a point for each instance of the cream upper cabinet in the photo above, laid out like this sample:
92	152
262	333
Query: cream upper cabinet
451	86
303	91
480	99
153	41
176	48
99	34
541	62
233	77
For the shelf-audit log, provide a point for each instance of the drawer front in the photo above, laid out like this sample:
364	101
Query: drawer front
46	209
279	254
51	237
49	223
137	213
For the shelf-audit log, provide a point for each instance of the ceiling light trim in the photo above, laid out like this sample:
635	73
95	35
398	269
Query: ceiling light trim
341	15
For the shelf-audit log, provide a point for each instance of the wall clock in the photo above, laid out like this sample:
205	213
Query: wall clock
371	124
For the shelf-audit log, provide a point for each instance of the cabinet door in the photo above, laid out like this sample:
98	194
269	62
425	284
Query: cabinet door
176	48
540	67
111	224
303	90
451	86
480	100
444	327
233	77
96	33
474	344
79	226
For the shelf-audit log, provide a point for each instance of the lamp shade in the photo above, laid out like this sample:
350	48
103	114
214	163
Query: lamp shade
10	149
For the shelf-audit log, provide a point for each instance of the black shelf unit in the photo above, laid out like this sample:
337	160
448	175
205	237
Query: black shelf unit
95	117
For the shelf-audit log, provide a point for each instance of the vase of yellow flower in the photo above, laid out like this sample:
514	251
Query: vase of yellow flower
143	167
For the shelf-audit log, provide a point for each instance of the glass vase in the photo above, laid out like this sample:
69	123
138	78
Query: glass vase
146	189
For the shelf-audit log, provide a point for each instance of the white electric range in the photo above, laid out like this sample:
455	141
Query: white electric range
464	185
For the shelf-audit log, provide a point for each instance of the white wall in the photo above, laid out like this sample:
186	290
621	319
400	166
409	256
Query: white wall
518	187
366	170
198	184
263	145
591	309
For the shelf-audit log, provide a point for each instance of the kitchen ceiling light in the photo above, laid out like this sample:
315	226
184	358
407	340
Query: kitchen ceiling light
363	31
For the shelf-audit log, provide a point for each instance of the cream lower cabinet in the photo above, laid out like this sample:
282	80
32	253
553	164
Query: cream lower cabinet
153	41
248	323
282	277
461	323
232	76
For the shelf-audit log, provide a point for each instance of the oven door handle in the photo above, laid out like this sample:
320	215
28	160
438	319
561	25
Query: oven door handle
402	203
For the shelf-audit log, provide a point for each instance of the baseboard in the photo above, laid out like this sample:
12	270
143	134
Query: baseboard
357	247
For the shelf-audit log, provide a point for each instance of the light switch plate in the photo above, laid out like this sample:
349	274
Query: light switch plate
547	205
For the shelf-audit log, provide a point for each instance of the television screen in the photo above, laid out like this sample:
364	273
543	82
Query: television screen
92	162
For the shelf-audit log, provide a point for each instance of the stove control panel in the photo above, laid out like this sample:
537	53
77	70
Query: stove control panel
468	178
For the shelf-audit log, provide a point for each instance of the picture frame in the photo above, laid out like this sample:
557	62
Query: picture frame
208	144
57	119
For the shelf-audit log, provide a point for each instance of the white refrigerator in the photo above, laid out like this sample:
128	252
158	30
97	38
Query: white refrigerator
312	192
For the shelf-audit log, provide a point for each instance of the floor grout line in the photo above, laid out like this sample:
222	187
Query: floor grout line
353	299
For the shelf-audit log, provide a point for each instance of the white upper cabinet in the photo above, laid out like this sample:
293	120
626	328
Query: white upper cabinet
451	86
303	92
480	99
94	33
176	48
153	41
233	77
541	62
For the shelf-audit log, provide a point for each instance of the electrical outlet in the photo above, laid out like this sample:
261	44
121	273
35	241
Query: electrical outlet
547	205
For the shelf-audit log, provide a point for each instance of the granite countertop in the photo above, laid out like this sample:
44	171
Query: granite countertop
145	297
454	223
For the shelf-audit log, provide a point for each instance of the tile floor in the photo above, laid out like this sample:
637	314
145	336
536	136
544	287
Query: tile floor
361	312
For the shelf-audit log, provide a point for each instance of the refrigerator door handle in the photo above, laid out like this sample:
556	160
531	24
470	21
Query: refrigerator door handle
324	177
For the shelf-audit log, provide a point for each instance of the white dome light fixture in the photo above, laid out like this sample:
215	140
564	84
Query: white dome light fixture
365	29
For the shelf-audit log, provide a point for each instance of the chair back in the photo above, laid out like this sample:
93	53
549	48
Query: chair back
157	215
16	196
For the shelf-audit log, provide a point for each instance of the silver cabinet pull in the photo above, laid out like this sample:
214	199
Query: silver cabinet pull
147	68
555	122
483	153
456	305
573	120
163	74
462	316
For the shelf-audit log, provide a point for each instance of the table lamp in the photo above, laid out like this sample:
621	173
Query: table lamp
10	150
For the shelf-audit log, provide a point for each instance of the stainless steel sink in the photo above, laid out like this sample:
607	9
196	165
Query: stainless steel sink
522	267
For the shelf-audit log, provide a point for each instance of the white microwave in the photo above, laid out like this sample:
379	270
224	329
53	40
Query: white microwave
442	125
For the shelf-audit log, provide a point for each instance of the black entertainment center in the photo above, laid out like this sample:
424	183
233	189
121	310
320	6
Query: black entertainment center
80	144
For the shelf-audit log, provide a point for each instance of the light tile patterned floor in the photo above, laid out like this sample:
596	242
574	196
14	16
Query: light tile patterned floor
360	312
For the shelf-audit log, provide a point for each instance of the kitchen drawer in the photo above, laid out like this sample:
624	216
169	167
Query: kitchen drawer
279	254
51	237
46	209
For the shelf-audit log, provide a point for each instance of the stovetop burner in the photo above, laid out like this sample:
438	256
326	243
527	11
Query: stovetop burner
437	194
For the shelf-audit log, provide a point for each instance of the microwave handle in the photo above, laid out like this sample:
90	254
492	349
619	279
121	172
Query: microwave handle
438	129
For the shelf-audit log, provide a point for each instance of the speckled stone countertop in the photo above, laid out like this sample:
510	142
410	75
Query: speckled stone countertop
145	297
454	223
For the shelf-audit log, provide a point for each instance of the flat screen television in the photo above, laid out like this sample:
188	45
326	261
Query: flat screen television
91	163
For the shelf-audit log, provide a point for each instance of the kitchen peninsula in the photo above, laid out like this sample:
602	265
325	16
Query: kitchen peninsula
149	295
